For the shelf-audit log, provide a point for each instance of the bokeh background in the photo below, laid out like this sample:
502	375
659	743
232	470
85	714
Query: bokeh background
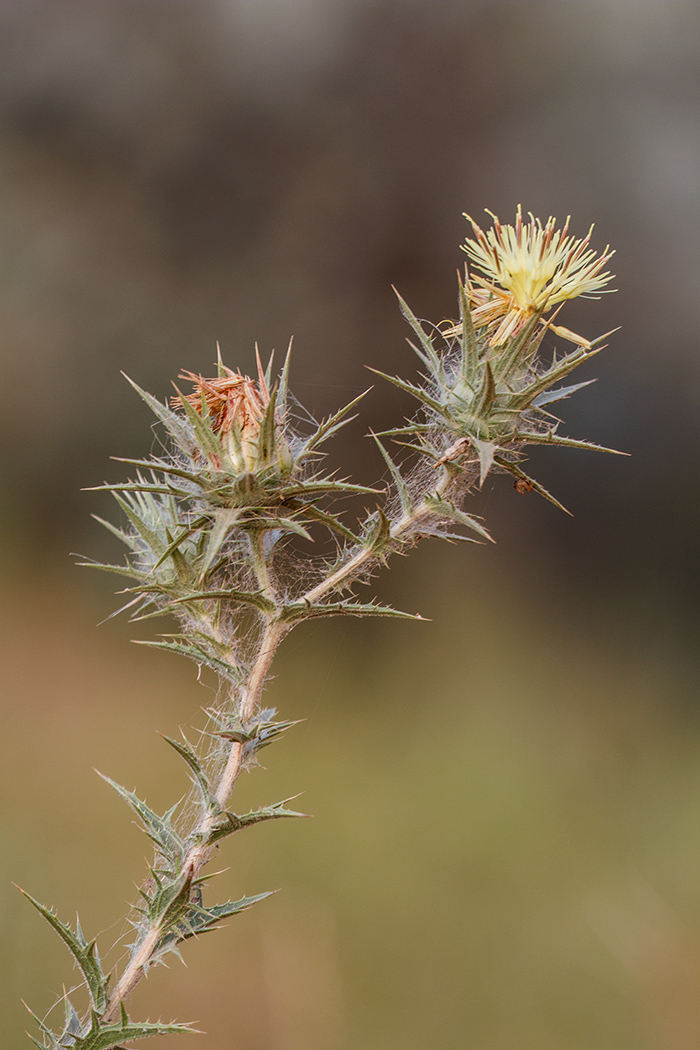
506	845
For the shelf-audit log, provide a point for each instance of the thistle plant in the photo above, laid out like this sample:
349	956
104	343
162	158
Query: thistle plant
218	529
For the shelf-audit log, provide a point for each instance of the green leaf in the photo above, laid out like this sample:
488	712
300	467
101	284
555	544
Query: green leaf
159	829
233	822
53	1043
162	466
486	394
256	598
255	734
487	450
557	371
319	486
328	427
173	422
120	570
151	538
470	349
283	387
267	432
401	488
206	439
84	953
138	486
550	438
427	354
414	391
307	611
285	524
201	920
324	518
550	396
519	474
186	752
109	1036
509	357
198	654
186	532
170	901
223	521
125	537
377	536
452	513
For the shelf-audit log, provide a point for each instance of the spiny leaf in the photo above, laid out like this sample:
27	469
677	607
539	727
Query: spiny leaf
233	822
470	349
125	537
201	920
486	394
519	474
187	531
85	954
415	391
436	533
329	520
186	752
255	734
329	426
170	901
557	371
550	438
139	486
401	488
223	521
427	354
284	524
151	538
161	466
317	486
307	611
159	829
199	655
448	510
46	1032
173	422
550	396
266	440
256	598
206	439
120	570
508	357
110	1036
283	385
377	536
72	1025
487	450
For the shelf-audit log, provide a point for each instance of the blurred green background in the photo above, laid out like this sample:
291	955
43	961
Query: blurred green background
505	850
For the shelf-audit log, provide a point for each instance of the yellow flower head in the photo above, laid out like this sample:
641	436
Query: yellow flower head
529	268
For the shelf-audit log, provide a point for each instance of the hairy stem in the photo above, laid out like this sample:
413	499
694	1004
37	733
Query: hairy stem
274	633
200	854
357	563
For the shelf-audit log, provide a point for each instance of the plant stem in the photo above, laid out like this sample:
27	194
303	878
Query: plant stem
200	854
274	633
356	564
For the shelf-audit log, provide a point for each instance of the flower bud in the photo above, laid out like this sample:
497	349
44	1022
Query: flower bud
235	406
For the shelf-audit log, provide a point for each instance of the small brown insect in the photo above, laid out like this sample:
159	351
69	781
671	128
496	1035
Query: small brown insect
523	485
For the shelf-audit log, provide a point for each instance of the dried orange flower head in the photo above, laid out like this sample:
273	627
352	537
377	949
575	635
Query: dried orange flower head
235	405
528	268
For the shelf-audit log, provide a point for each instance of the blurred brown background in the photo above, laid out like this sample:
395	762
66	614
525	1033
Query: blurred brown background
506	845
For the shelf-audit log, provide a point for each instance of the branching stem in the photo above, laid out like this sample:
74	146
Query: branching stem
352	568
